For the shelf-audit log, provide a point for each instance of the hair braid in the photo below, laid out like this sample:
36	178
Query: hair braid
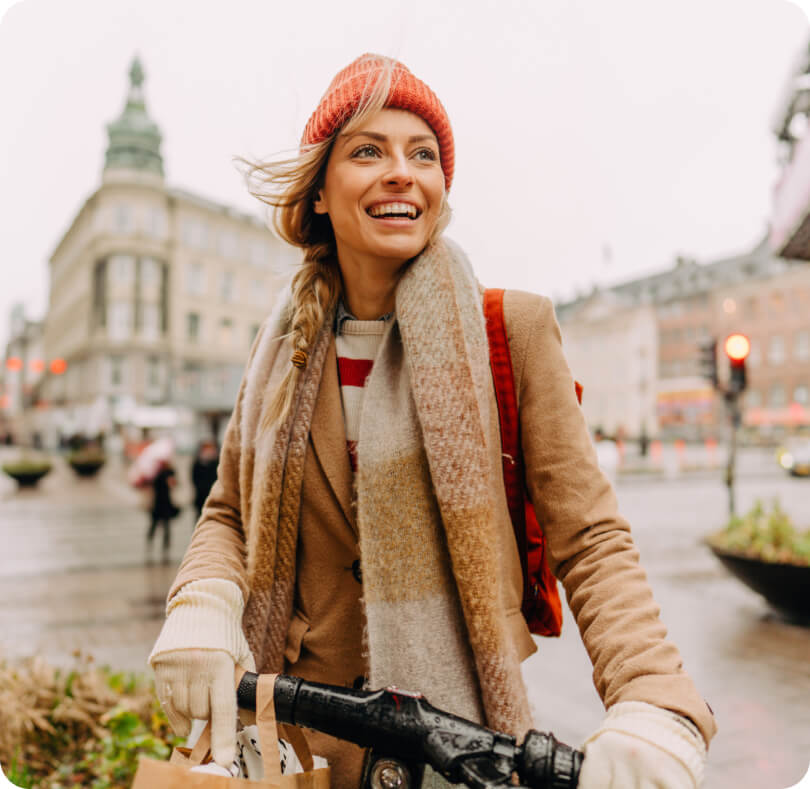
316	287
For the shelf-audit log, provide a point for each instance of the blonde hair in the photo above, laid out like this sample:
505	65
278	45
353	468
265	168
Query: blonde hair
289	186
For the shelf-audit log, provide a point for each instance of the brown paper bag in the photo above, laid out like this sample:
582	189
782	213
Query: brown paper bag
176	773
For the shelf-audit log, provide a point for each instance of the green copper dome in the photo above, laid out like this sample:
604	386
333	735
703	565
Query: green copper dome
134	137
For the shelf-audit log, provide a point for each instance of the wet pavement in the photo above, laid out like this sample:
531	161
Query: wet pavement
74	575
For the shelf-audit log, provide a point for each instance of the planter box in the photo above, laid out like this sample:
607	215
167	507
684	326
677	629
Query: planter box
26	478
785	586
86	468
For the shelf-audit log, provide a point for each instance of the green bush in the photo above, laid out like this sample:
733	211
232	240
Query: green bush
87	455
26	466
767	535
85	727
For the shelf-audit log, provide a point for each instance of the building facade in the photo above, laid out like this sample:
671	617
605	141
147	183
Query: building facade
155	296
758	294
611	345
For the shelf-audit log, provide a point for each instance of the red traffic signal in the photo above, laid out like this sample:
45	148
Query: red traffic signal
737	347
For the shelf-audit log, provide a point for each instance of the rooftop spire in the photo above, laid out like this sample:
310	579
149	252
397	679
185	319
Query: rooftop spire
134	137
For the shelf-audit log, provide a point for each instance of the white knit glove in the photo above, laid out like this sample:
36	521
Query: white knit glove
639	746
194	659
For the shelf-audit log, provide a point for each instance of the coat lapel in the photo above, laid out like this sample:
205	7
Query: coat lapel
328	434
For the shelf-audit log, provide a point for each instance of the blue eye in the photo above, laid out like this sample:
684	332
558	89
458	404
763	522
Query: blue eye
365	152
426	155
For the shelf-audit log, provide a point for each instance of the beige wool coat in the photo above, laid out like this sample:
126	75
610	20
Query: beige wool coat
590	545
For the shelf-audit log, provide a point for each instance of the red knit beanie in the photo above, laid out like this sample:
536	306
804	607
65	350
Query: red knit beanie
346	90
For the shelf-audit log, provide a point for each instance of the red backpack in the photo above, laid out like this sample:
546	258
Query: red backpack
541	605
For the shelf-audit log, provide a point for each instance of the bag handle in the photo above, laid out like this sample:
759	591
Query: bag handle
268	729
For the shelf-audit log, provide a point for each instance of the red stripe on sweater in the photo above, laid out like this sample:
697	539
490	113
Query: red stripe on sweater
353	372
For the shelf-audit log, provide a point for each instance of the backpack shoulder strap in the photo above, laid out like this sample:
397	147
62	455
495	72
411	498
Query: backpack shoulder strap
503	377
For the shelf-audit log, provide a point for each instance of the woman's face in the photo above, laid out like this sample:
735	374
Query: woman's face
383	190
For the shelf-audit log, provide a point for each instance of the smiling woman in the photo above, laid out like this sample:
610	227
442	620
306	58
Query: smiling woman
383	192
359	532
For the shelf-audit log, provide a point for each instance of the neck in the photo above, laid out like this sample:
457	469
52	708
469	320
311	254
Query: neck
369	292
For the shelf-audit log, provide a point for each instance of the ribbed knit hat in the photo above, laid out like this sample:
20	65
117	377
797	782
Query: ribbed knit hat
352	83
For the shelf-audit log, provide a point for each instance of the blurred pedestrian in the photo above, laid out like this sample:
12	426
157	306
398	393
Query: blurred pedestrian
163	507
204	472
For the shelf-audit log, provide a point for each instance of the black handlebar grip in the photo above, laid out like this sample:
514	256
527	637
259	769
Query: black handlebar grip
284	693
547	762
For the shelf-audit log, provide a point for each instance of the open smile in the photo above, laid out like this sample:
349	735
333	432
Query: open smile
394	210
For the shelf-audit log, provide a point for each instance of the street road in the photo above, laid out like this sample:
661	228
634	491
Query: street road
74	575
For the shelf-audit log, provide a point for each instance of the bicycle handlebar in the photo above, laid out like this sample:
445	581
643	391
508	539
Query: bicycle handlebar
397	724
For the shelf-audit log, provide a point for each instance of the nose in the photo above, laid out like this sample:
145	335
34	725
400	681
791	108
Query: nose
399	172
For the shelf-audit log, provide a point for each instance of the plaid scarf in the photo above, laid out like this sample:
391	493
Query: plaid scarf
435	619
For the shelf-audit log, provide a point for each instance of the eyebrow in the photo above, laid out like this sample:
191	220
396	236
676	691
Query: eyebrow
383	138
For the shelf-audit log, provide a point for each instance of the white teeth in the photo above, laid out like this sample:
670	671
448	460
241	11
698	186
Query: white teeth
396	209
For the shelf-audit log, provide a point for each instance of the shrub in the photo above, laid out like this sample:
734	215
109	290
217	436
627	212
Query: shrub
85	727
769	536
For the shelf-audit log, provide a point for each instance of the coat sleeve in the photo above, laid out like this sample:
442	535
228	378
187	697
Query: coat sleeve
218	545
590	545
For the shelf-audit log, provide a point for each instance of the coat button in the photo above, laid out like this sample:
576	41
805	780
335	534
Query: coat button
356	571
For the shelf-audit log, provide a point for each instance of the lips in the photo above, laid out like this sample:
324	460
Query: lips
394	210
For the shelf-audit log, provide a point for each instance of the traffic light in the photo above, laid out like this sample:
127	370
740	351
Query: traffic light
708	361
737	347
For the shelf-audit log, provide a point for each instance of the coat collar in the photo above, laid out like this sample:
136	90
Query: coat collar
328	434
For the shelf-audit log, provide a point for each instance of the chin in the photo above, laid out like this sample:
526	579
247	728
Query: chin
400	252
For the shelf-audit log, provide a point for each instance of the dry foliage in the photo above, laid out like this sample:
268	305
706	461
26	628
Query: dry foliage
85	726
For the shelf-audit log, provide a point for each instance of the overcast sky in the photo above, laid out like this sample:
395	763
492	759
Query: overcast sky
634	126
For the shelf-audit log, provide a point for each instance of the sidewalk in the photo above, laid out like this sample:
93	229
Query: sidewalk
75	573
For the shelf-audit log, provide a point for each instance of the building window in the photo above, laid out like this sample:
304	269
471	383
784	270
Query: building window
100	294
801	345
157	223
195	279
116	364
193	327
195	233
776	397
119	323
258	294
153	372
122	270
777	303
122	218
800	394
259	254
228	245
150	273
776	349
227	287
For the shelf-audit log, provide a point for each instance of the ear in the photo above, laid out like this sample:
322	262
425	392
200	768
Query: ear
319	203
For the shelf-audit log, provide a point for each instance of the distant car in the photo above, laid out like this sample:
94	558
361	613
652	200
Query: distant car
795	458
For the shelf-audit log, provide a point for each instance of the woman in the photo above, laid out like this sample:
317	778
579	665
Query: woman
373	377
